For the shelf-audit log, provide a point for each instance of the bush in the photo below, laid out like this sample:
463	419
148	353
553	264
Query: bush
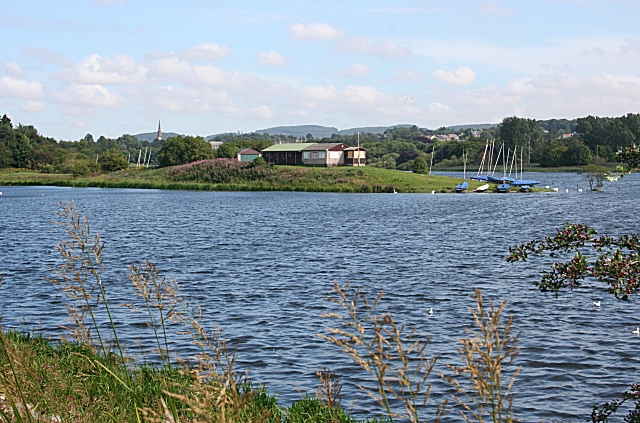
112	161
420	165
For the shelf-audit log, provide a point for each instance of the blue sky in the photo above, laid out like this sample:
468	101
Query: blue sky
109	67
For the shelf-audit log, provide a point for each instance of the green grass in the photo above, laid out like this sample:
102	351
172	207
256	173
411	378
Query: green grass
278	178
64	381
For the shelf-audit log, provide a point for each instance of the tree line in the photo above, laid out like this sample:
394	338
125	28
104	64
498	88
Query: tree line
549	143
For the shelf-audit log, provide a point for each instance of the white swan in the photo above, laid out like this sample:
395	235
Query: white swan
433	192
555	190
596	303
579	189
636	332
567	190
431	311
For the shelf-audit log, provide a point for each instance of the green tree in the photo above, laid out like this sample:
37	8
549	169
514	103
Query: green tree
227	150
112	160
577	155
5	156
184	149
554	157
522	133
420	165
595	175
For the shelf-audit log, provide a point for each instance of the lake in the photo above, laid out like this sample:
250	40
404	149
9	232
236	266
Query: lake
262	264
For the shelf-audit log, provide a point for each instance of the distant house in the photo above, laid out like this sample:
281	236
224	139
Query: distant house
324	154
248	155
285	154
446	137
320	154
215	144
355	156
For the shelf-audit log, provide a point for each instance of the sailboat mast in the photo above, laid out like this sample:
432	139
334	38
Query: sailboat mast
464	172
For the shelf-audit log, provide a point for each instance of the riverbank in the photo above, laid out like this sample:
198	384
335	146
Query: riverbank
202	176
69	381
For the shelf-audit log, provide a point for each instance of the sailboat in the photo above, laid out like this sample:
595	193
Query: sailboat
464	186
479	176
522	183
503	184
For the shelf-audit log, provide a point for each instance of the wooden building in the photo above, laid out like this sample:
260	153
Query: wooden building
285	154
315	154
248	155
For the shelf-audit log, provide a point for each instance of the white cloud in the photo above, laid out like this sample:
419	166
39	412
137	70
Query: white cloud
20	88
407	74
464	76
384	47
272	58
110	2
12	69
356	69
94	69
32	106
493	8
205	51
94	95
261	112
438	108
315	32
198	53
45	55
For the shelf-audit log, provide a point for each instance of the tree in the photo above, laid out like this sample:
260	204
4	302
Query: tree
227	150
614	261
112	160
184	149
420	165
577	155
595	175
554	157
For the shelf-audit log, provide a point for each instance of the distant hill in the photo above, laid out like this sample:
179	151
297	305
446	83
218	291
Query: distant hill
473	126
151	136
319	131
300	131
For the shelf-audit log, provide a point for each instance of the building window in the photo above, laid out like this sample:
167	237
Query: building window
306	155
322	155
334	154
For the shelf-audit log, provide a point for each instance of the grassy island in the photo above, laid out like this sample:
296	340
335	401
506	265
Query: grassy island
230	175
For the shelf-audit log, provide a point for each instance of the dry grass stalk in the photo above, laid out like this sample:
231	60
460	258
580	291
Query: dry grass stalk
398	362
486	353
160	298
81	275
329	389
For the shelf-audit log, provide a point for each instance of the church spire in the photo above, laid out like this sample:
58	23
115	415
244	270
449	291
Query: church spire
159	131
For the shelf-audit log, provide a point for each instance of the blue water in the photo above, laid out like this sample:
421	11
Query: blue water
262	264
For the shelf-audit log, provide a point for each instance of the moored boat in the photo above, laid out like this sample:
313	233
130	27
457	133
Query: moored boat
482	188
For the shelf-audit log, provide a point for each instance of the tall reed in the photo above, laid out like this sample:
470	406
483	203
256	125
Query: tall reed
486	353
397	361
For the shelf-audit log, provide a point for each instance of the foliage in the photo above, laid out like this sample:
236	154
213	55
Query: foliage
219	171
227	150
112	160
602	413
522	133
420	165
554	157
184	149
595	175
617	263
486	355
612	132
397	361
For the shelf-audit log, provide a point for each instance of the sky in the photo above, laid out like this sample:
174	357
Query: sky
110	67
